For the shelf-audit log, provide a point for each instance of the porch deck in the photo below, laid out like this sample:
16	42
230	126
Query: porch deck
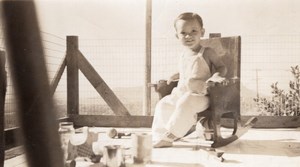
258	147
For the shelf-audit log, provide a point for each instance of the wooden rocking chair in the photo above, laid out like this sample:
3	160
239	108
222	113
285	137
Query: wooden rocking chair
224	98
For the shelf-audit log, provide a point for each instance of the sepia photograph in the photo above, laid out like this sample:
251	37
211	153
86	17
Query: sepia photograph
149	83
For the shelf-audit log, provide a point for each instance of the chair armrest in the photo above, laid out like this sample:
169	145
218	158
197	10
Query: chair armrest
233	82
214	89
228	82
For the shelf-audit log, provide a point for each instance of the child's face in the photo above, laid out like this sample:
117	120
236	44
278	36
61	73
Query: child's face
189	33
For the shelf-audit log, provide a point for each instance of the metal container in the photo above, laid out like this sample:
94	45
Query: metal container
66	130
141	148
113	156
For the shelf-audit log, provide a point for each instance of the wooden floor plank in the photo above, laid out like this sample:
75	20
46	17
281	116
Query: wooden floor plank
13	152
16	161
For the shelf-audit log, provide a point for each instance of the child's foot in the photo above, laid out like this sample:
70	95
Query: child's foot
162	144
166	141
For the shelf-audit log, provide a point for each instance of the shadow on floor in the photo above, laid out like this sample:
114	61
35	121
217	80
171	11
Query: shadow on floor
288	148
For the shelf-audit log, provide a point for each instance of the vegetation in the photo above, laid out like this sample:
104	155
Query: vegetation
282	103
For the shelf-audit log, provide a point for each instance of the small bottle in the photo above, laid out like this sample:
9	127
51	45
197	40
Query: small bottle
66	129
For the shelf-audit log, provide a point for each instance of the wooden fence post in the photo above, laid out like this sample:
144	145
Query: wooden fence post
72	75
2	102
147	88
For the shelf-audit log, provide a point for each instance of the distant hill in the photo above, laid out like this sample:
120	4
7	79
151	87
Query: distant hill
245	92
136	93
133	96
248	106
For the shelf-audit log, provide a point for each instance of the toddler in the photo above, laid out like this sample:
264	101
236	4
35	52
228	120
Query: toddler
176	113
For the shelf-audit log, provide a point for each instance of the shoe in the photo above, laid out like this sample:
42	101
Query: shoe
162	144
166	141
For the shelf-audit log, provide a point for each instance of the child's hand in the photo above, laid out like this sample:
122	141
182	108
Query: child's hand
169	81
173	78
216	79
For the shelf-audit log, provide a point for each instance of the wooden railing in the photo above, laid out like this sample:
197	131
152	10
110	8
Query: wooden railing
75	61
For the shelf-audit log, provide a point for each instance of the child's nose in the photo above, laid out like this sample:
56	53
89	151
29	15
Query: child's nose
187	36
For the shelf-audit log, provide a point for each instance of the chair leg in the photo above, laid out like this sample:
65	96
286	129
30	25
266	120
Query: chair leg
238	131
218	139
249	124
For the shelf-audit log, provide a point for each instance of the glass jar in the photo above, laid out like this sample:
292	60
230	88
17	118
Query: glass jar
66	129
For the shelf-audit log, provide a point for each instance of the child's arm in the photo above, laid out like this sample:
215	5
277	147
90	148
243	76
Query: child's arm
219	66
174	77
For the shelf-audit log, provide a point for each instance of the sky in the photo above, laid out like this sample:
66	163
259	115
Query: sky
269	30
103	18
125	19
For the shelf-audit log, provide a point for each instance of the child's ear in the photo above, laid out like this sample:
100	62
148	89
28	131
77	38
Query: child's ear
202	32
176	35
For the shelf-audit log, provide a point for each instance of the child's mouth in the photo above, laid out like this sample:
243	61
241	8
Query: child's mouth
189	41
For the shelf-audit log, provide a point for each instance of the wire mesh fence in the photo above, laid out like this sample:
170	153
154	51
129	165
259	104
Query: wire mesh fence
267	60
54	49
121	64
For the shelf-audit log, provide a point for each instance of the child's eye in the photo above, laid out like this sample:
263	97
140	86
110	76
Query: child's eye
194	30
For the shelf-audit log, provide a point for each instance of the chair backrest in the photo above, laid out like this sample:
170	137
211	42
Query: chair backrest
229	48
227	98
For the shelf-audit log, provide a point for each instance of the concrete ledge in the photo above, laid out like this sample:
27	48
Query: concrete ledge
111	121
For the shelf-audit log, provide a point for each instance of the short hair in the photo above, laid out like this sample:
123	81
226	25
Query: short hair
189	16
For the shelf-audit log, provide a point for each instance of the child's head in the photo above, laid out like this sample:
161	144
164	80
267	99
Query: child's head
189	16
189	29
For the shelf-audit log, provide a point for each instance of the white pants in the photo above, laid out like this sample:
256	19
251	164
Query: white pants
177	114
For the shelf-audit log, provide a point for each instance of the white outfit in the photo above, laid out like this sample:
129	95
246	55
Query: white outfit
177	113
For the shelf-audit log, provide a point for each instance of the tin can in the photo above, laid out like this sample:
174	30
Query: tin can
113	156
141	148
